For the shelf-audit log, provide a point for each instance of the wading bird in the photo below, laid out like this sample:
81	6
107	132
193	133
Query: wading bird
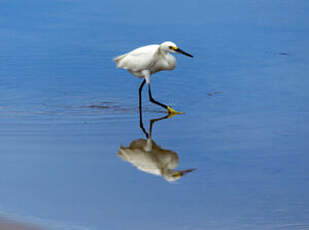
149	157
147	60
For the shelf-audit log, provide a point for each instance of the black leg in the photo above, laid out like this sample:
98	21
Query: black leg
140	94
152	121
153	100
141	125
140	108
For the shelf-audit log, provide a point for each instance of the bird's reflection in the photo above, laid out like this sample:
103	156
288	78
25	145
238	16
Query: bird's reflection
149	157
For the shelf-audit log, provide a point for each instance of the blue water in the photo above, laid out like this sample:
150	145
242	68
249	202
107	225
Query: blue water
65	111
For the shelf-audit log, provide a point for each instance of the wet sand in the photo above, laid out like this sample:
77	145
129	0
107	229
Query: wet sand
8	224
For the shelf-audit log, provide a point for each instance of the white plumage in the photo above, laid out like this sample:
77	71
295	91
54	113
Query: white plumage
152	57
147	60
147	156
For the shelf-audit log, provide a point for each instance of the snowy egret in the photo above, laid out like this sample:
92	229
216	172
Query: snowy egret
149	157
147	60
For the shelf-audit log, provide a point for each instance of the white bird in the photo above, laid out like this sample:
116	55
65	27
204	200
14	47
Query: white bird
147	60
147	156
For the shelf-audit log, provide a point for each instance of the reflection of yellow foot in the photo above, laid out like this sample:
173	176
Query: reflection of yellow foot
170	115
173	111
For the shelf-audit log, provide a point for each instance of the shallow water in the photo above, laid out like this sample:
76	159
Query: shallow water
65	112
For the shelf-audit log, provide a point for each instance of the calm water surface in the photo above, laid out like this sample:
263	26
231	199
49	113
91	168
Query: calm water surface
66	112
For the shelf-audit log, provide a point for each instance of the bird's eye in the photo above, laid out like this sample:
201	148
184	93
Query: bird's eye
171	47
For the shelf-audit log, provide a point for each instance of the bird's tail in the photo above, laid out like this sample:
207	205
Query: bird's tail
118	59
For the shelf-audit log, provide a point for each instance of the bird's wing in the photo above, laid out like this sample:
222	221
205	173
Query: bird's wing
138	59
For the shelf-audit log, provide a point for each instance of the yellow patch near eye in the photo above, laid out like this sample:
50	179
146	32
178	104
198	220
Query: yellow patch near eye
174	47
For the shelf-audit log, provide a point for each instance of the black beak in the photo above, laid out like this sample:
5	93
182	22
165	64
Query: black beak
183	52
187	171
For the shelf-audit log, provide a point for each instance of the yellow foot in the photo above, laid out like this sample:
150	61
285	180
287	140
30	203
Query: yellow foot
173	111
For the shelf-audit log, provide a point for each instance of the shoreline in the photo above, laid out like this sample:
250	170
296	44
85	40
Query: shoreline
7	223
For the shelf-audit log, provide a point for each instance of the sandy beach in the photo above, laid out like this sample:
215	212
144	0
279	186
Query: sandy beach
8	224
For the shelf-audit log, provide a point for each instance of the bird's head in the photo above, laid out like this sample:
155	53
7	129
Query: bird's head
171	47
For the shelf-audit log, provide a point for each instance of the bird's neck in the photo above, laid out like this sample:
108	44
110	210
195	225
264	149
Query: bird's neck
162	51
